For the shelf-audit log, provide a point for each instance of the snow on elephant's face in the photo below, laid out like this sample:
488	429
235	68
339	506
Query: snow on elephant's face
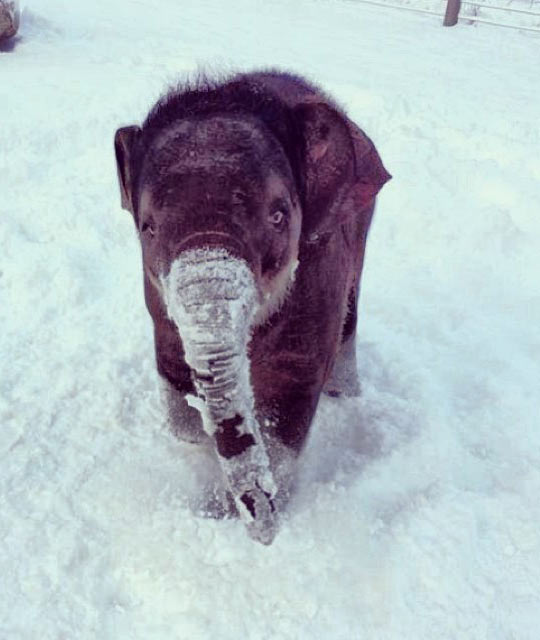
220	182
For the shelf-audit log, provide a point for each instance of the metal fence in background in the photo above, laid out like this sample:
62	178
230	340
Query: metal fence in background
478	19
451	13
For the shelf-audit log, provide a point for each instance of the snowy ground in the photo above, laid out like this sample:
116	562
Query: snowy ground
417	513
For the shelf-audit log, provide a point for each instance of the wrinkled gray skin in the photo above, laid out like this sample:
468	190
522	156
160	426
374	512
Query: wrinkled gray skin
253	237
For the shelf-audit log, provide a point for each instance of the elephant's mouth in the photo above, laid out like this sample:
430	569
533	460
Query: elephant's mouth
212	299
214	240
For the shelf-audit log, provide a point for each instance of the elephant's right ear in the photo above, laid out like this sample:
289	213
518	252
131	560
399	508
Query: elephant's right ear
125	140
342	169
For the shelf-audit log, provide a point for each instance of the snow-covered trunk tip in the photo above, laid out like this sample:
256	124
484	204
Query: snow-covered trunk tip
212	299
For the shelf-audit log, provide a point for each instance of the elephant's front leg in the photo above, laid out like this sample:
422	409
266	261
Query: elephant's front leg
343	379
285	416
175	381
184	420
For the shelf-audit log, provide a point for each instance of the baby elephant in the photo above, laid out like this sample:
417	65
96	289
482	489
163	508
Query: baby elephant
252	199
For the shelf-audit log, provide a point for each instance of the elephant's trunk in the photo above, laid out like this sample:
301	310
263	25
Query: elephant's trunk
212	298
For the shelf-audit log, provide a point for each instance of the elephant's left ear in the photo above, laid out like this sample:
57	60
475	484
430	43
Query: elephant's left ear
125	140
342	169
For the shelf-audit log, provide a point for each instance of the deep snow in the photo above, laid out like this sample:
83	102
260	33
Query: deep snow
417	511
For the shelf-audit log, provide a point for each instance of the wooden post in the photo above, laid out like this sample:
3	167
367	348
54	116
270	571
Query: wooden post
452	13
9	18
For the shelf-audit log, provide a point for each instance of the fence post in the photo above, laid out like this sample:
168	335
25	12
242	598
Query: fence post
452	13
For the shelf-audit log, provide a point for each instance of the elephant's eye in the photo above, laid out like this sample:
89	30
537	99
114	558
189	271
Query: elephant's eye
148	227
277	218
